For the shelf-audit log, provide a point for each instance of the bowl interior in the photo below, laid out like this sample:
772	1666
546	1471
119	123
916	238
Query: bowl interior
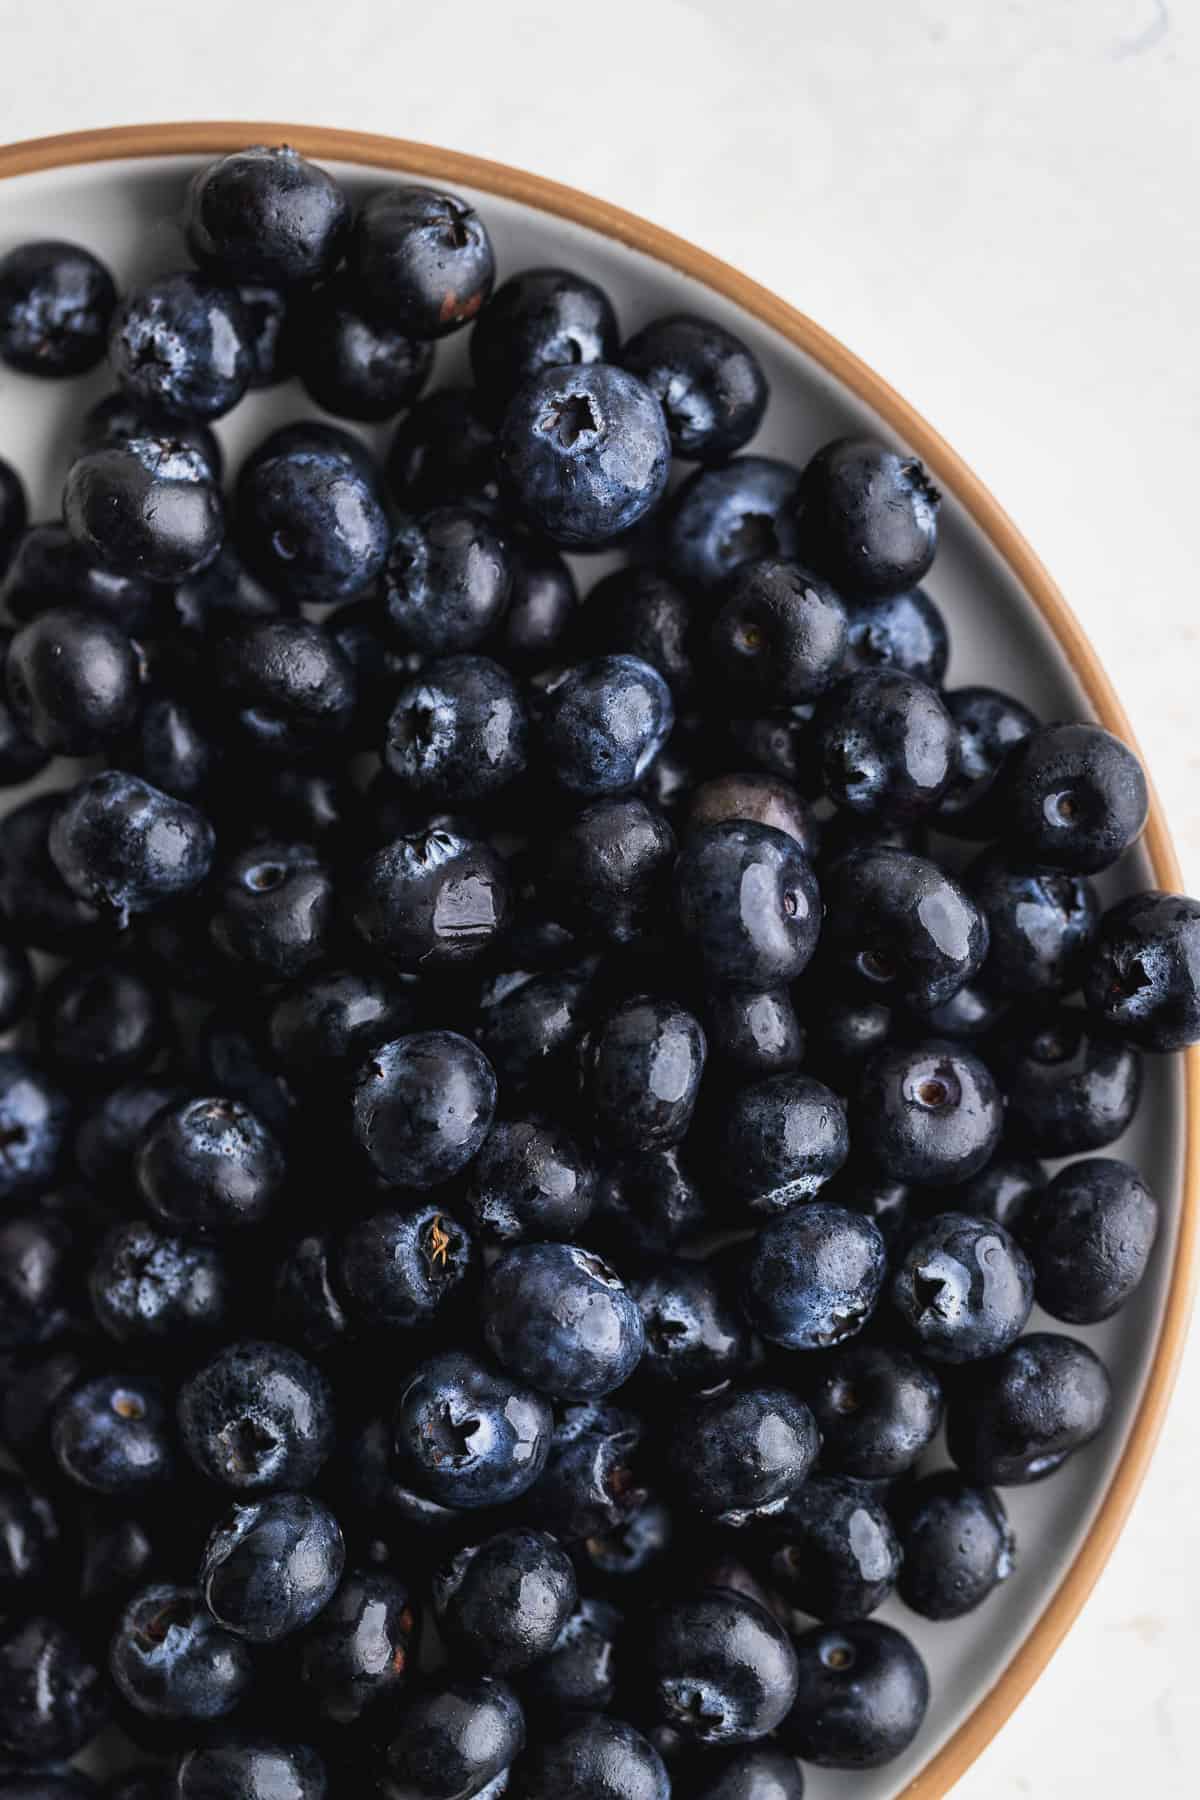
127	212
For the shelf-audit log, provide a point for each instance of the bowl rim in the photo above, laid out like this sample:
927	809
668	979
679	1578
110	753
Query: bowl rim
37	155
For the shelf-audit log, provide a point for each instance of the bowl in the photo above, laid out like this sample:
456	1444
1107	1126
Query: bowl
119	192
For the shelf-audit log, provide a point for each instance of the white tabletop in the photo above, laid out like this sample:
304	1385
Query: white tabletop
993	203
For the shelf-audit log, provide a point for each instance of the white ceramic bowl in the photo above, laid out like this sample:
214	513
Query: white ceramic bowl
119	193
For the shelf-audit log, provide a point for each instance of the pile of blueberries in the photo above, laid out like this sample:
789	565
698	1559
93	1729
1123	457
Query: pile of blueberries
528	1117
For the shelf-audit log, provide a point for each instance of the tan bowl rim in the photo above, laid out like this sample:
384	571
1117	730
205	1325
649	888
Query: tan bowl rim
451	166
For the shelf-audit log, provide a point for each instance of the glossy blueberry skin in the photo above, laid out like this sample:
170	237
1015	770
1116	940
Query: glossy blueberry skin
877	1407
579	1671
398	1270
266	215
963	1287
929	1113
904	631
1143	976
530	1025
560	1319
602	723
864	1189
35	1380
310	521
887	745
446	581
617	1557
780	637
273	911
539	319
270	335
696	1339
708	382
779	1141
501	1604
35	1119
1041	925
590	1485
148	1287
641	1070
812	1277
249	1768
1070	1085
334	1016
101	1021
862	1696
305	1309
1018	1417
124	847
53	1699
290	688
173	750
737	1455
170	1661
1089	1236
444	452
221	598
229	1062
1002	1190
724	517
121	417
469	1436
531	1179
638	612
144	512
903	927
747	903
56	301
609	870
29	1542
1071	797
957	1544
543	607
834	1552
257	1417
756	1034
48	567
421	1107
358	1652
38	1278
595	1757
989	725
271	1565
422	259
72	679
973	1014
868	516
354	365
180	343
209	1165
760	1772
720	1670
458	732
842	1028
454	1739
112	1435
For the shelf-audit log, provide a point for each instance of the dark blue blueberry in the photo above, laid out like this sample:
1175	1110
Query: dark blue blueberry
1018	1417
53	1699
256	1417
379	664
719	1669
501	1604
21	757
778	743
467	1435
842	1028
34	1382
458	731
14	512
618	1556
1070	1085
39	1290
72	678
455	1739
398	1270
779	1141
602	723
608	872
49	568
756	1034
861	1698
759	1773
220	598
903	631
124	847
290	688
584	453
1089	1236
1071	797
747	904
708	382
779	638
421	1107
171	1661
230	1062
887	745
421	259
1143	977
928	1113
531	1179
878	1409
121	418
559	1318
209	1165
963	1287
376	1494
270	332
310	520
834	1553
29	1542
35	1117
590	1485
542	608
266	214
974	1013
174	751
641	1068
56	301
579	1673
273	911
318	439
326	1019
305	1308
112	1435
639	612
249	1768
957	1545
148	1287
145	508
596	1757
1001	1191
724	517
537	320
101	1021
430	900
355	365
868	516
989	725
1041	925
864	1189
736	1456
444	452
814	1276
530	1024
696	1338
358	1652
180	343
271	1566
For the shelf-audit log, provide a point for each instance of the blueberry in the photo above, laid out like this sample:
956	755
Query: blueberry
609	869
596	1757
399	1270
100	1021
708	382
696	1339
124	847
719	1669
209	1165
622	1554
1018	1417
542	607
72	679
446	581
756	1034
756	798
878	1409
1041	925
862	1188
530	1024
1143	976
747	904
266	215
457	732
1002	1190
973	1014
501	1604
813	1277
53	1699
957	1542
929	1113
310	521
171	1661
778	743
56	301
989	725
21	757
590	1485
579	1672
249	1768
305	1308
173	750
861	1698
540	319
1071	1086
222	597
269	332
444	452
35	1380
355	365
868	516
436	898
1089	1235
148	1287
35	1117
38	906
780	636
421	1107
274	911
904	631
639	612
455	1739
560	1319
834	1552
602	723
290	688
531	1179
724	517
121	418
180	343
1071	797
333	1016
887	745
229	1062
271	1566
256	1417
737	1455
468	1436
14	513
38	1278
843	1025
779	1141
422	260
358	1652
642	1065
29	1542
963	1287
760	1772
112	1435
145	508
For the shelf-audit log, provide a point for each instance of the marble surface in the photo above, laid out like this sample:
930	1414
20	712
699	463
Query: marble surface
995	204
